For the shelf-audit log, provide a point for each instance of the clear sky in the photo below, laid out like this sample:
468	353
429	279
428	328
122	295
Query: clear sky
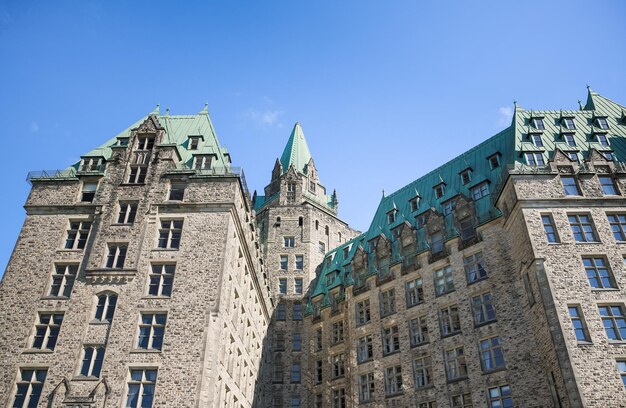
385	90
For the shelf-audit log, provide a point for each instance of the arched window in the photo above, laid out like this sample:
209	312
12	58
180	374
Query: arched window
326	230
106	307
317	224
277	222
300	221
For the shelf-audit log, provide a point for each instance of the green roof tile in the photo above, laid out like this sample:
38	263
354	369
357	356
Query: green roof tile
296	151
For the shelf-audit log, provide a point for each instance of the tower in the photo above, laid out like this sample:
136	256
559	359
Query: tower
298	224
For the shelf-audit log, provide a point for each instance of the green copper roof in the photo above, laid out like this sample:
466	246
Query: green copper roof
178	128
296	152
510	144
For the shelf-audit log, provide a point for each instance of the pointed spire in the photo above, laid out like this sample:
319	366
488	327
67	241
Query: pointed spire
156	110
205	110
580	105
383	193
167	111
590	105
296	151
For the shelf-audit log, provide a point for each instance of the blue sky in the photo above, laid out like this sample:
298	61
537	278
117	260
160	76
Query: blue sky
385	91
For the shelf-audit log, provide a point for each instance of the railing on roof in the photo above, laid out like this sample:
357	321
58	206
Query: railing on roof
65	174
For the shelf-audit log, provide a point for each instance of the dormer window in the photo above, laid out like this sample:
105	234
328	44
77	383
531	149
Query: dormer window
330	278
466	176
448	207
202	161
607	155
569	139
573	156
480	191
568	123
391	216
346	252
193	142
534	159
439	190
122	141
145	142
536	139
312	186
538	123
602	123
90	164
494	161
602	139
414	203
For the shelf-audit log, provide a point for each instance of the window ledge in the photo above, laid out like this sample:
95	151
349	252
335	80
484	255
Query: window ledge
494	370
145	351
617	342
420	344
426	387
588	242
457	380
584	343
365	361
165	249
488	322
477	280
382	316
605	289
37	351
100	322
132	184
415	304
391	353
55	298
395	394
445	293
117	224
70	250
156	297
84	378
445	336
341	377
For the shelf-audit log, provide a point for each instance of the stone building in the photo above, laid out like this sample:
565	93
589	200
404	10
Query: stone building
145	276
137	278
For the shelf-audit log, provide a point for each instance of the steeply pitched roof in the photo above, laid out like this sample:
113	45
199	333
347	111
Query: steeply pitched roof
178	128
510	144
296	151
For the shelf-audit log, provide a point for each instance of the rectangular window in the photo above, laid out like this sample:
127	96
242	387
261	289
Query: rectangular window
296	342
295	402
90	164
366	387
482	308
92	361
193	142
494	161
500	397
436	242
602	139
170	233
295	373
297	311
282	286
570	187
318	339
29	386
466	176
414	292
141	388
279	341
568	123
387	302
105	308
598	273
319	372
414	203
137	174
569	139
422	371
448	207
128	211
339	398
427	404
538	123
284	260
391	340
362	311
278	378
463	400
322	247
480	191
289	242
339	368
298	286
529	289
491	354
161	280
536	139
456	366
177	191
202	161
47	331
77	234
319	401
582	228
449	321
475	269
393	380
608	186
337	332
621	367
444	281
578	322
391	217
418	331
62	280
602	123
151	331
89	192
439	190
534	159
365	349
614	321
116	256
549	228
618	226
299	262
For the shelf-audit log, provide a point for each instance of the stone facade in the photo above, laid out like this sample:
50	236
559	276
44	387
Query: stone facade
146	276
